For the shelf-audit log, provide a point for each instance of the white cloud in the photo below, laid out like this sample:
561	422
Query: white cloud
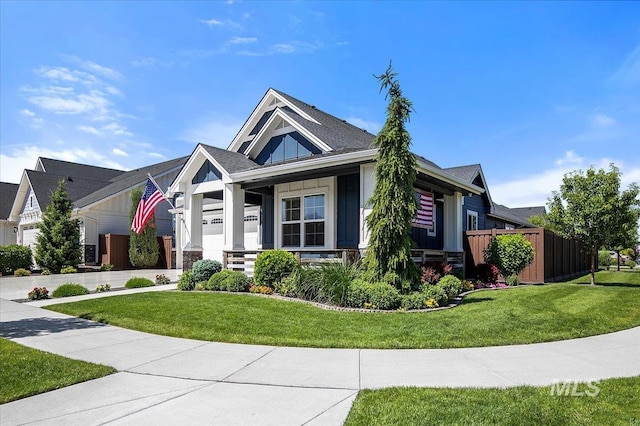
27	113
89	129
602	121
629	71
370	126
157	155
119	152
117	129
213	129
242	40
211	22
570	157
93	67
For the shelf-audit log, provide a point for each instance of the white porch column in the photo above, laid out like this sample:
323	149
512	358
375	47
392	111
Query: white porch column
195	207
179	243
453	222
233	217
367	185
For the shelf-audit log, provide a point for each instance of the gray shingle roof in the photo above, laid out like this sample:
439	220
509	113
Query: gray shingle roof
130	179
8	193
45	184
66	168
508	214
466	173
526	212
231	161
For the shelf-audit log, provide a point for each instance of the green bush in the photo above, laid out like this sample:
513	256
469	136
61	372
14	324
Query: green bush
186	281
21	272
217	281
106	267
236	281
70	289
272	266
511	253
203	269
631	264
413	301
289	286
68	270
604	259
451	285
162	279
436	293
138	282
101	288
45	272
378	295
306	280
14	257
513	280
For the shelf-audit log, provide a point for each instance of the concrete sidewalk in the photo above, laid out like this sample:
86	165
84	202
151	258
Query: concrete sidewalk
166	380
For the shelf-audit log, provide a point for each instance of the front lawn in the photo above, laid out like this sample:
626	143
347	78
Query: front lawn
608	278
25	371
616	403
485	318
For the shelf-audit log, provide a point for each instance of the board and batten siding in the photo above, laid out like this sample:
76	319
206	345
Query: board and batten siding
348	210
474	203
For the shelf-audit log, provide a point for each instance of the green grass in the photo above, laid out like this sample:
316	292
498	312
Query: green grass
486	318
629	277
617	403
25	371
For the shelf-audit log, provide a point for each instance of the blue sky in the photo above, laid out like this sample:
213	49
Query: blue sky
529	90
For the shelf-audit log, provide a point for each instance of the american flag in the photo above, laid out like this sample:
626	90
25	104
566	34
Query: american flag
424	217
151	197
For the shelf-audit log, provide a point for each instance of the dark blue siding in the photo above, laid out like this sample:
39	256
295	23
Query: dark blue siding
475	203
266	211
423	240
348	210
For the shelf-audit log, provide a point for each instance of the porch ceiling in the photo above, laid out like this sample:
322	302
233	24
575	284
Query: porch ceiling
339	170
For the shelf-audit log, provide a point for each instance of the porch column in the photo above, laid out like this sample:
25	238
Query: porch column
179	243
196	221
453	222
367	185
233	213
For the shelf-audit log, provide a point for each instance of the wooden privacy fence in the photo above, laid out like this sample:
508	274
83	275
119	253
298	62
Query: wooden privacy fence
556	258
114	249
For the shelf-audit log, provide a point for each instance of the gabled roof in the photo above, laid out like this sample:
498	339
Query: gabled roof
44	185
508	214
231	161
85	171
8	193
466	173
526	212
128	180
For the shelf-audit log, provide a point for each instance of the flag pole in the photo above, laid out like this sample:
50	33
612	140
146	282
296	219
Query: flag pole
186	228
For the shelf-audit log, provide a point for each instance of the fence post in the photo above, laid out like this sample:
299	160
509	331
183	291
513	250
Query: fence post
224	259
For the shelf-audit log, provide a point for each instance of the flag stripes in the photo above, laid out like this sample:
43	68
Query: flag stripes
151	197
424	217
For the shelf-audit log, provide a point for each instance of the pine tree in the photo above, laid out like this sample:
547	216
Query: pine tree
143	248
58	242
393	202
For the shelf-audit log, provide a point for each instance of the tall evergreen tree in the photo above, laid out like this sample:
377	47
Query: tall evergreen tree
590	208
58	242
143	248
394	203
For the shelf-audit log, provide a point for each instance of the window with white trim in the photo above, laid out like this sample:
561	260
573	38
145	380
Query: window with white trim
472	220
303	221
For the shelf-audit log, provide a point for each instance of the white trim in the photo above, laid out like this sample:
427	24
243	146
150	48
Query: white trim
445	177
174	187
474	214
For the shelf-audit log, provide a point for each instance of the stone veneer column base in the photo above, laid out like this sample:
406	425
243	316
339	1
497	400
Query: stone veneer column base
189	257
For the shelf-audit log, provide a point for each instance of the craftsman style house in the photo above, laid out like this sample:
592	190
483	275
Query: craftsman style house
297	178
101	199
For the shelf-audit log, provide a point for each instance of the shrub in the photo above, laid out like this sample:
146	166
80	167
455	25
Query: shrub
437	294
162	279
217	280
307	280
413	301
378	295
431	303
138	282
203	269
38	293
70	289
21	272
106	267
488	273
289	286
429	275
468	285
68	270
272	266
14	256
511	253
261	289
451	285
200	286
630	263
45	272
102	288
332	282
513	280
186	281
604	259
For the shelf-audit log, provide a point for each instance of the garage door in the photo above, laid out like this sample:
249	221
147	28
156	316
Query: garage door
29	239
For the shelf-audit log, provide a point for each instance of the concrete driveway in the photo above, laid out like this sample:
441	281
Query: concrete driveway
164	380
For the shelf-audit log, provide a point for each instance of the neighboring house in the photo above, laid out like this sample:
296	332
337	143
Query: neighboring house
8	228
297	178
101	199
479	212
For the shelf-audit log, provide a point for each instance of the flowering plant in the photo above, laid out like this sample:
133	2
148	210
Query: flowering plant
38	293
162	279
103	287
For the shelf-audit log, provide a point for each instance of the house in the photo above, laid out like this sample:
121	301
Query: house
8	228
480	212
101	199
297	178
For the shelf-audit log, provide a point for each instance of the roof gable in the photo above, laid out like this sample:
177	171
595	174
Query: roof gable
8	193
45	184
85	171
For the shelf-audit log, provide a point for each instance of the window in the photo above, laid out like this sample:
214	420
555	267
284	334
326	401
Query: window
472	220
311	221
286	147
207	173
31	202
509	226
